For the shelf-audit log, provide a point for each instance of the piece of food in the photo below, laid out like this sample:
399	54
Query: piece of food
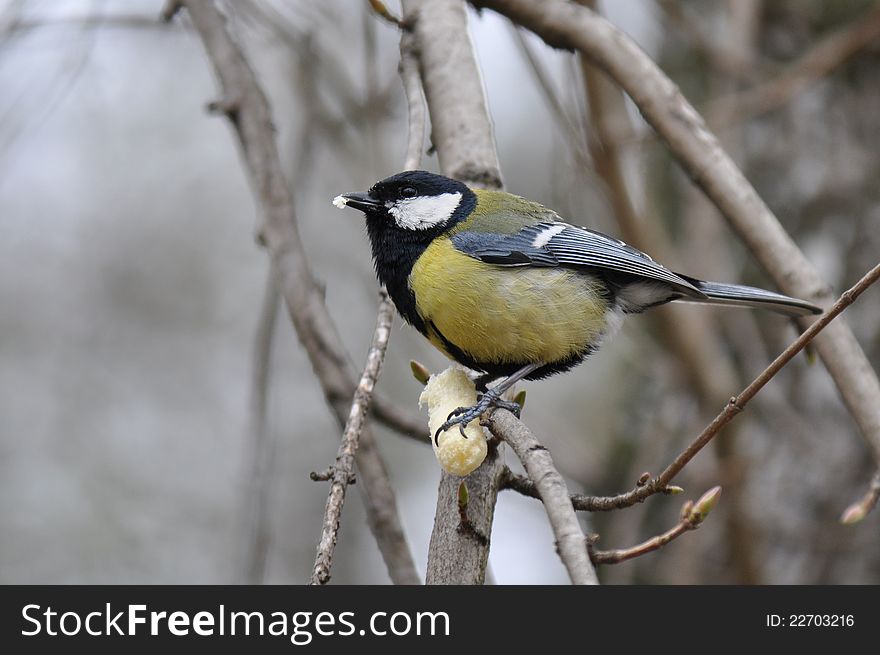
339	202
444	393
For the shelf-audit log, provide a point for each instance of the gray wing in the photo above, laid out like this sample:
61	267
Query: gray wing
561	244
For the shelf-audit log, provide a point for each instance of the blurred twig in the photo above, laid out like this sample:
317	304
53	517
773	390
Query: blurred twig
261	437
68	75
726	60
344	459
815	64
570	541
246	107
10	20
566	124
342	470
818	62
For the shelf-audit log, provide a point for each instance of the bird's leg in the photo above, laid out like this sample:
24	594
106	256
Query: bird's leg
491	398
482	385
482	382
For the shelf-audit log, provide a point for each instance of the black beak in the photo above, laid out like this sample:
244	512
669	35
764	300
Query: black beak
363	201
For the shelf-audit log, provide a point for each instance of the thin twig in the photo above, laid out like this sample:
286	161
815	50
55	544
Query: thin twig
539	465
817	63
263	444
566	124
727	60
581	502
737	403
385	315
342	469
661	484
692	517
247	108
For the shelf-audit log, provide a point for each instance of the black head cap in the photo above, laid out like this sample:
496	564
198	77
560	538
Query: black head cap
411	184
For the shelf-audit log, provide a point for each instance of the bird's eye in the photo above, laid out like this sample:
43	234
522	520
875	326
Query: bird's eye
408	192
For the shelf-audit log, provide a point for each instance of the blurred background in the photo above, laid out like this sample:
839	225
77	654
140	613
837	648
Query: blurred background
130	290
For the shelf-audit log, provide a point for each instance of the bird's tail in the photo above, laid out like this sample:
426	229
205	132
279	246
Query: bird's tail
738	295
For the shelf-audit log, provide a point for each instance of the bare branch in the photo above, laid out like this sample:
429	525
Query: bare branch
581	502
248	111
459	550
415	101
692	517
461	129
737	403
567	25
646	488
570	541
342	470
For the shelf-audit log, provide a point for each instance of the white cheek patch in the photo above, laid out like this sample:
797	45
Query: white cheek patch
543	237
424	212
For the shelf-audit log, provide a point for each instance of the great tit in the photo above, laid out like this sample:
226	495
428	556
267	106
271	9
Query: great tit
503	286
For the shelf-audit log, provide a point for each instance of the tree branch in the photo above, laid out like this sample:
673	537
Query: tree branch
692	517
462	135
342	470
417	118
567	25
647	487
737	403
461	129
570	541
248	111
581	502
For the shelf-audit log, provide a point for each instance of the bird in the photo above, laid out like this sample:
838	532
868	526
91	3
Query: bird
505	287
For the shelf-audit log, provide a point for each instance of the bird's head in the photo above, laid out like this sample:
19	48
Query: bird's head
414	205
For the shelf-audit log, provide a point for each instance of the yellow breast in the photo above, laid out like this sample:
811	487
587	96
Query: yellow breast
504	314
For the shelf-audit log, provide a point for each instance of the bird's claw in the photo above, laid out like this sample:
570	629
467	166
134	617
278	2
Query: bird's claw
461	416
509	405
